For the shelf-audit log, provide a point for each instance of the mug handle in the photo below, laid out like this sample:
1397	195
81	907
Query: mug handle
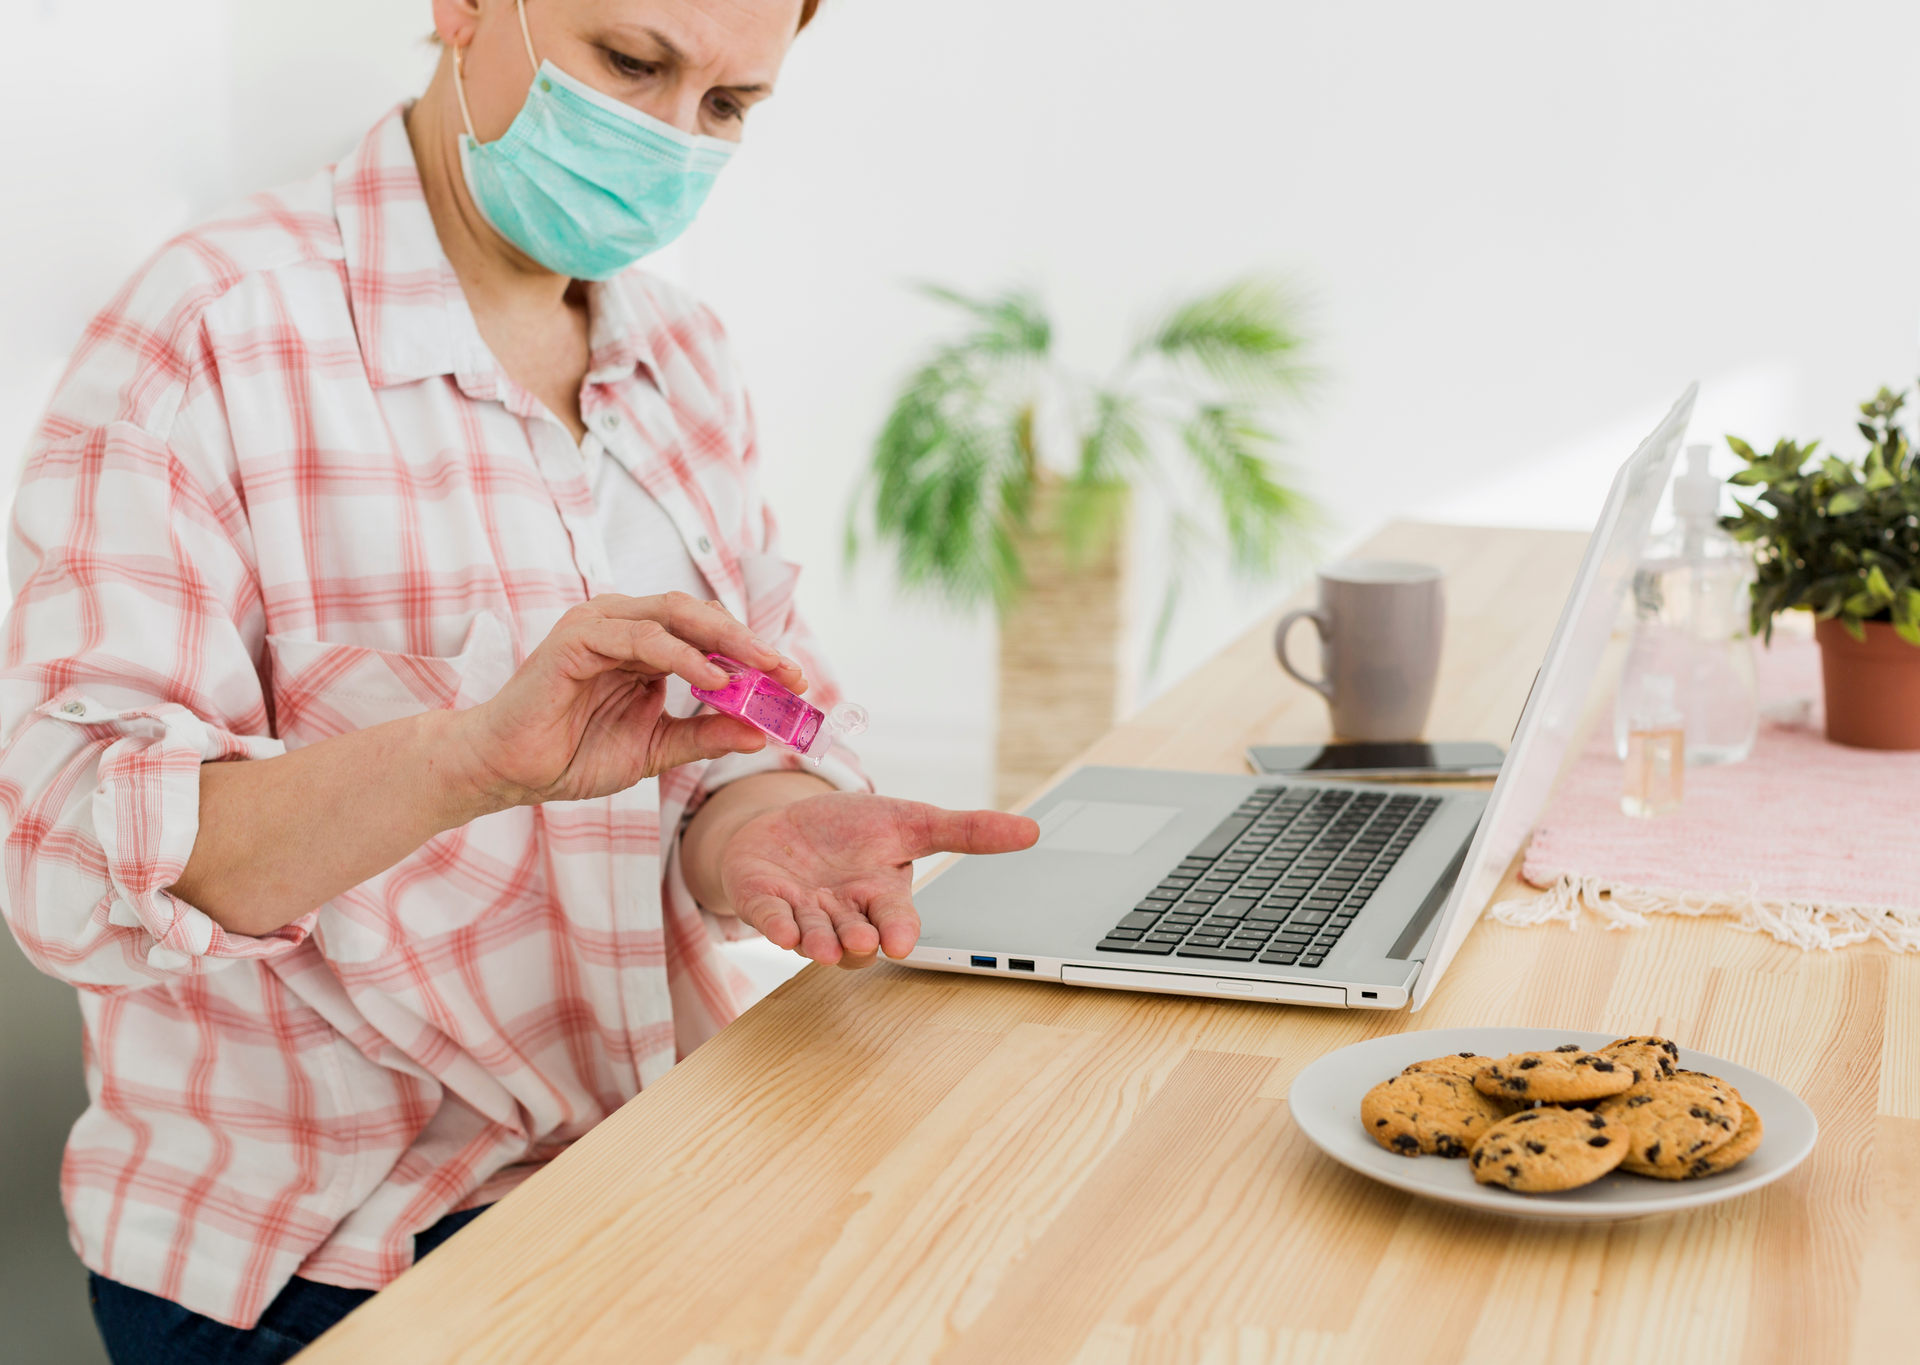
1323	625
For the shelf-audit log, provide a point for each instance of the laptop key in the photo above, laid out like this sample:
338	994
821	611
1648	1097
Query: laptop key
1142	946
1139	919
1279	959
1123	934
1220	954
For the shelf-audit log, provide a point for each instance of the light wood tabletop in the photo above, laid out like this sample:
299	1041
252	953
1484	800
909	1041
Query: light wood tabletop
903	1166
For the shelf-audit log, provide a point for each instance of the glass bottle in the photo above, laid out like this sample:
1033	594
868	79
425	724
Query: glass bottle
1690	600
1656	749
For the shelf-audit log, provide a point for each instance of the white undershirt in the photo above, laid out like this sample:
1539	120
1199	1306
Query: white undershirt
645	554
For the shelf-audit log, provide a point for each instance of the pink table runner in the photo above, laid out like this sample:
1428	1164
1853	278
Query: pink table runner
1811	842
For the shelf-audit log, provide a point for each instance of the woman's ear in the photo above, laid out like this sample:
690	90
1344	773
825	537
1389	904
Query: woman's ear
455	20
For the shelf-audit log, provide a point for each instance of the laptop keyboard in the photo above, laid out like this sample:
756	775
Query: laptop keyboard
1279	880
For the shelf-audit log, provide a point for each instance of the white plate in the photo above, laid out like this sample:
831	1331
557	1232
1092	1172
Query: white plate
1325	1102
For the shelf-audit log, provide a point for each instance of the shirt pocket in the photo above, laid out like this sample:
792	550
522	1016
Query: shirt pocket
321	689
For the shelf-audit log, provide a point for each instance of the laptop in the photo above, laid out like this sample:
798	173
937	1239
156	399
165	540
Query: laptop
1355	895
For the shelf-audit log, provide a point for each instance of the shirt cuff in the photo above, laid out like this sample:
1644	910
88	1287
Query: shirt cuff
146	816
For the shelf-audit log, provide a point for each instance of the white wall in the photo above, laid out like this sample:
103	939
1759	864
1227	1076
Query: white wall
1528	226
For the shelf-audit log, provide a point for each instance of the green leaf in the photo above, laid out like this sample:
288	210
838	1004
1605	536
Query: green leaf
1906	615
1742	449
1846	501
1015	323
1877	587
1226	444
1247	336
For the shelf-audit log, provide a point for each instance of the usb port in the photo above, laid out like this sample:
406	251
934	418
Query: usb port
980	961
1019	964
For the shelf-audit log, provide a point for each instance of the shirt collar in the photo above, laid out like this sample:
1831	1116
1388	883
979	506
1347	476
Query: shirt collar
409	311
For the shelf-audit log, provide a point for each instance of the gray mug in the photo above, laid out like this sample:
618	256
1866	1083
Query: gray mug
1380	623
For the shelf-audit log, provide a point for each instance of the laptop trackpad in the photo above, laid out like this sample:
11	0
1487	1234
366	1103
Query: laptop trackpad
1115	827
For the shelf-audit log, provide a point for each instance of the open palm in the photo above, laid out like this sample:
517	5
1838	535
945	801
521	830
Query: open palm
831	876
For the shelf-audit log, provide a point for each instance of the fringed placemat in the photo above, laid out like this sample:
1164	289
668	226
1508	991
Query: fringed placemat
1811	842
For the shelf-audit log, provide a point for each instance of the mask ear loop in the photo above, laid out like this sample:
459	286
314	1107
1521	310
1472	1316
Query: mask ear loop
460	89
521	6
459	81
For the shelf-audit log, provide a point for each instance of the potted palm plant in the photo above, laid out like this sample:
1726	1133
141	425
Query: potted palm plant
1842	540
1003	479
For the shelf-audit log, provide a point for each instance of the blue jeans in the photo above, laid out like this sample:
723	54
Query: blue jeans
143	1329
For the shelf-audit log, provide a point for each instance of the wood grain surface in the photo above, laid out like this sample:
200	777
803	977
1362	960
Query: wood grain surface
896	1166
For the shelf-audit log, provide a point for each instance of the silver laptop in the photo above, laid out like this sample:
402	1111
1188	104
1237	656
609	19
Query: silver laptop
1353	895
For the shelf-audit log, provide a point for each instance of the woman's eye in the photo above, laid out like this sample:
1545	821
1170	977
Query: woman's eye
631	66
725	107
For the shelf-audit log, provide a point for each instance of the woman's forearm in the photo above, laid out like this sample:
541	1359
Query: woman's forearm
282	836
725	811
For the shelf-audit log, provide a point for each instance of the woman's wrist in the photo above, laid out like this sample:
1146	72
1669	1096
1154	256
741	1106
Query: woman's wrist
465	785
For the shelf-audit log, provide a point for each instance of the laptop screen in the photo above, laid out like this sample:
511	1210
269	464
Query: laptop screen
1552	714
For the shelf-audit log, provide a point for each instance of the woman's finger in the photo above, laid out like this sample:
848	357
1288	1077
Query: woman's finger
859	940
773	917
818	940
970	831
895	921
717	631
646	646
711	735
705	626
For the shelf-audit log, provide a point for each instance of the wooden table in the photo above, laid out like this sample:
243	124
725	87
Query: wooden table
903	1166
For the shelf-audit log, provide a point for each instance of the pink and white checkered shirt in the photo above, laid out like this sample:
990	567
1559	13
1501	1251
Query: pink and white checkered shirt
285	492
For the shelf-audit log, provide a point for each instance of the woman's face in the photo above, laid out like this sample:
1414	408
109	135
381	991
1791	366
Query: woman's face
696	64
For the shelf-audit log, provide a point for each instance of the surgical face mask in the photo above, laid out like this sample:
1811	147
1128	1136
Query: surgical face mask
582	183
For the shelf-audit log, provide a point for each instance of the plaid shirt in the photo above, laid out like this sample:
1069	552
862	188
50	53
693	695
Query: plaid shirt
285	492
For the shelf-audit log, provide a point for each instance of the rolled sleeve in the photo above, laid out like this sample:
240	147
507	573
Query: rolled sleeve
110	825
133	655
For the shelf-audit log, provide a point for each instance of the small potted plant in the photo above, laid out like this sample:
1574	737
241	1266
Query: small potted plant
1842	540
1002	479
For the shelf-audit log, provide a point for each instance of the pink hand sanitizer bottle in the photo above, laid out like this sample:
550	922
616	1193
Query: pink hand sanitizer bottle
752	696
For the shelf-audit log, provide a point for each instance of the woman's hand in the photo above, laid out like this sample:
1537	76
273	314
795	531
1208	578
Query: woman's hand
831	875
585	715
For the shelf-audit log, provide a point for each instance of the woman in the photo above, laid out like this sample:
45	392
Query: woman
364	558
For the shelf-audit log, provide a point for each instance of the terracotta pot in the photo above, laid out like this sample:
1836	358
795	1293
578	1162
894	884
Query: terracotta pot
1872	686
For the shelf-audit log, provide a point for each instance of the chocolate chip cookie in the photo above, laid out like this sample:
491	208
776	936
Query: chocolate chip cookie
1465	1065
1567	1075
1538	1150
1674	1122
1649	1056
1428	1111
1734	1152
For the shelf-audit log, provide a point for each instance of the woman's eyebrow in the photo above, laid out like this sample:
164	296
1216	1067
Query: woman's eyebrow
674	54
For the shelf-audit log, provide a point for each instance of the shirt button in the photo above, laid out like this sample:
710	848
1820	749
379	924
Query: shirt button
610	421
79	708
706	546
